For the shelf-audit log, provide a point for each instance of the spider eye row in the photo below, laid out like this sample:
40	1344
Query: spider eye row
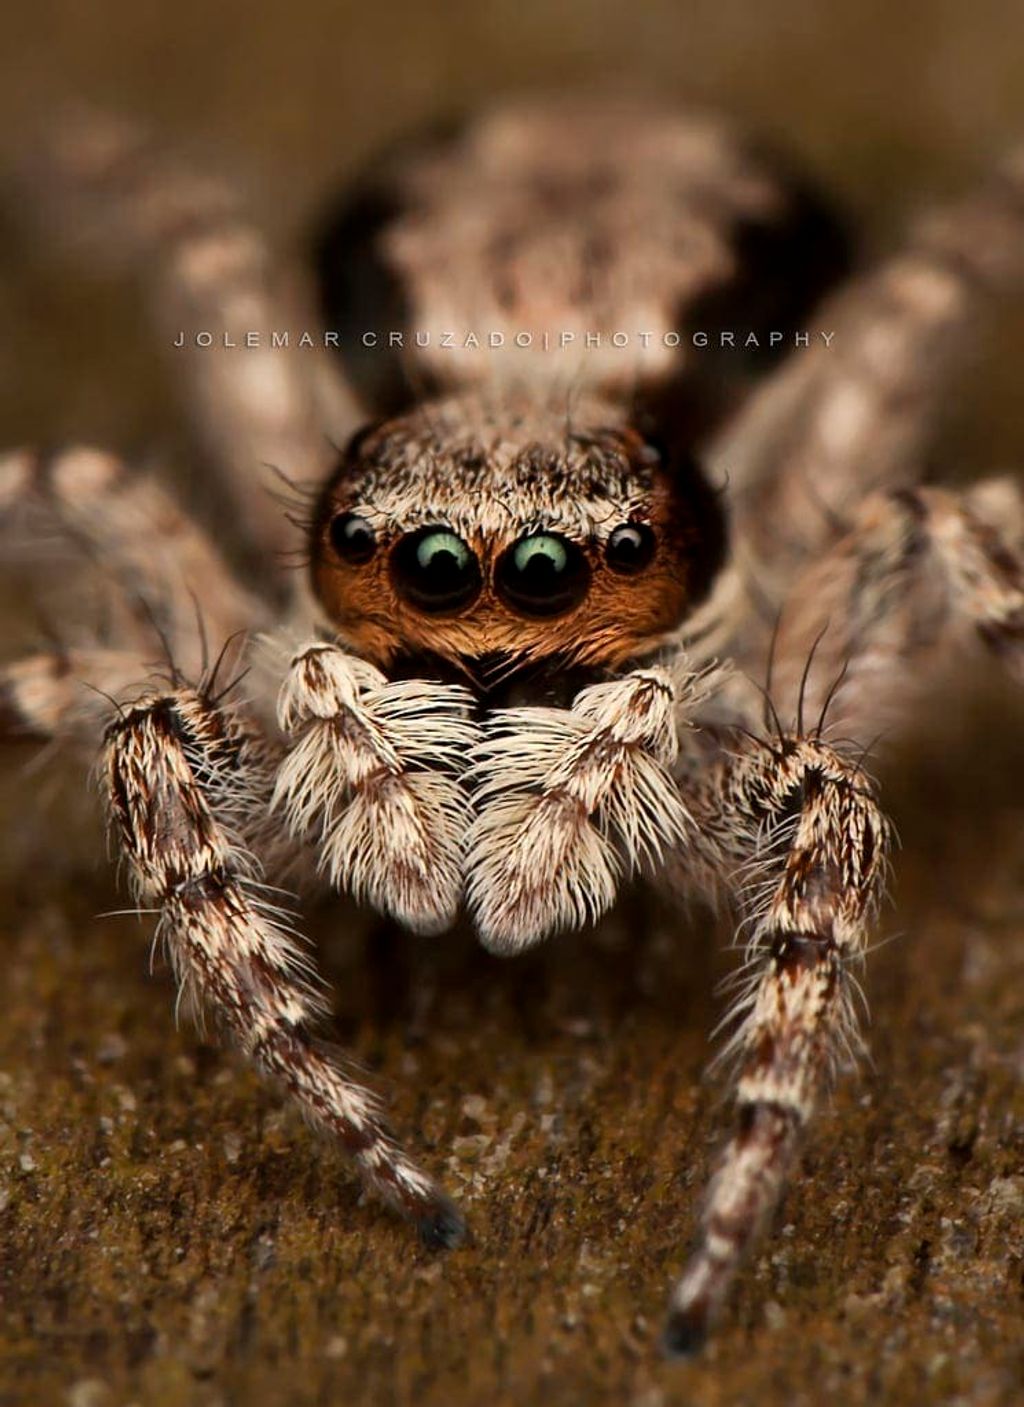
542	574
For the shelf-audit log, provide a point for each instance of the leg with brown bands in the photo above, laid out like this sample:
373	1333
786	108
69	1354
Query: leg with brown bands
66	693
173	582
181	774
794	827
866	627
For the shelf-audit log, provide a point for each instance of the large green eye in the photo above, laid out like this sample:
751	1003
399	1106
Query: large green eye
543	575
435	570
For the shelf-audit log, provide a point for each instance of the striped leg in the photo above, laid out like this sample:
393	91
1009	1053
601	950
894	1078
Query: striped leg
260	404
796	829
168	573
920	569
183	778
66	693
862	412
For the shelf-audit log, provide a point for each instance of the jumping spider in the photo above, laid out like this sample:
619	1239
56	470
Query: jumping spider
545	588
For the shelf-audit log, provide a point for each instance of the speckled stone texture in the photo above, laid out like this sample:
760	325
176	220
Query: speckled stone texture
169	1234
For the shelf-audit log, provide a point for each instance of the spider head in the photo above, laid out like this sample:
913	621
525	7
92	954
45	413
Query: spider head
472	530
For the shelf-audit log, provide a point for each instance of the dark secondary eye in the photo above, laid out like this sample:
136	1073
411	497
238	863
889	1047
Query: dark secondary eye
435	570
352	538
543	575
630	548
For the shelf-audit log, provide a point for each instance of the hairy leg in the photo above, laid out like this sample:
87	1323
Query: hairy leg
183	779
865	626
172	583
567	798
861	413
66	694
793	830
261	405
370	775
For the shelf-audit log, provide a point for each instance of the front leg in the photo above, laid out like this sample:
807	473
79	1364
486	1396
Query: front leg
793	829
369	773
184	778
568	798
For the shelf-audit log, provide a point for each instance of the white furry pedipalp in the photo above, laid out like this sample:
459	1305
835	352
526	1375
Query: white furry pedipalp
567	800
370	772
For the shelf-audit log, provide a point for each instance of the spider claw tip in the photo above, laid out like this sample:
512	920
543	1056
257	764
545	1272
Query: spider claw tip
443	1227
685	1333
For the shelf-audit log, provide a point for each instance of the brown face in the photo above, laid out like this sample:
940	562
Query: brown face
484	532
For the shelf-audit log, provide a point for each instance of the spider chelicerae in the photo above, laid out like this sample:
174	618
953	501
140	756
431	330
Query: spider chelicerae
580	600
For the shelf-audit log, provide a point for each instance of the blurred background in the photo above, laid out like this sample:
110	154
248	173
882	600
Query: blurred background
887	104
167	1234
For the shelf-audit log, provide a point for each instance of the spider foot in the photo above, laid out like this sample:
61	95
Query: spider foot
685	1332
442	1227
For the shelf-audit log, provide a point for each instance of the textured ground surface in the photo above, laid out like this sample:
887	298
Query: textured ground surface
167	1234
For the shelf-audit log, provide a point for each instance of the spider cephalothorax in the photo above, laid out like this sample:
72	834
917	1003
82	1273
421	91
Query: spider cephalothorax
540	520
487	528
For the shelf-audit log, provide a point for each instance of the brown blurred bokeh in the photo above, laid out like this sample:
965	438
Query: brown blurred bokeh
167	1234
